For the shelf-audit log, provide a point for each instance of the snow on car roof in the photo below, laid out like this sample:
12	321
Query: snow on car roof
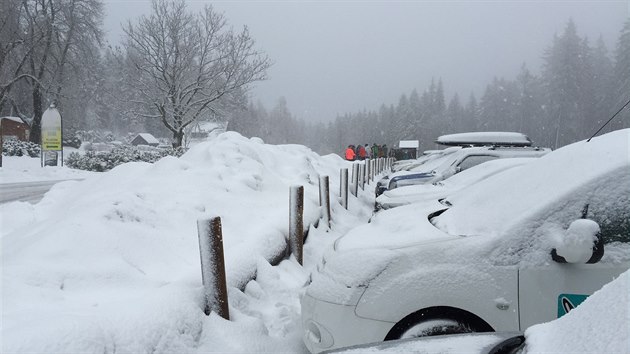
485	138
506	201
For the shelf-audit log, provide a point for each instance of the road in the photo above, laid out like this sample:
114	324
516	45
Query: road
31	192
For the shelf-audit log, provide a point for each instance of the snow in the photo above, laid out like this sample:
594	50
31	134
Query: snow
601	324
500	207
17	169
408	144
15	119
576	245
485	138
111	262
150	139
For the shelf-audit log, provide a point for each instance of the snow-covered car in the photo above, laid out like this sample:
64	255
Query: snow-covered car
519	248
458	161
442	189
469	343
574	333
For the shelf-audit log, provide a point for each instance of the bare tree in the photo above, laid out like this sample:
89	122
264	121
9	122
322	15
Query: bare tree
183	64
47	42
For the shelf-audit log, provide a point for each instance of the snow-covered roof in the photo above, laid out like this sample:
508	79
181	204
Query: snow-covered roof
409	144
485	138
15	119
149	138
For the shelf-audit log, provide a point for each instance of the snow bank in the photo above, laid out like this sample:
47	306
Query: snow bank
111	263
601	324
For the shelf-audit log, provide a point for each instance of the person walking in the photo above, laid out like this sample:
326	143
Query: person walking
368	151
350	155
374	150
362	152
384	150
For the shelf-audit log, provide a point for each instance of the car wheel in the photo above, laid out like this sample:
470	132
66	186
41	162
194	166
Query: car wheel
435	327
437	321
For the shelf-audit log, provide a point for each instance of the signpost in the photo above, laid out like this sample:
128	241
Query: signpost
51	137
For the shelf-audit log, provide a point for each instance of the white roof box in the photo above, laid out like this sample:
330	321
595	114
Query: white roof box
484	139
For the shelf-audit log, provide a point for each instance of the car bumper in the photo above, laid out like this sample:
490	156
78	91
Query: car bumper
329	326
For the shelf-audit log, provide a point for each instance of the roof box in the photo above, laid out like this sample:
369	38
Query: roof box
485	139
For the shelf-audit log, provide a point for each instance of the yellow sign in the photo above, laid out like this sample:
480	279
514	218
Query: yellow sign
51	130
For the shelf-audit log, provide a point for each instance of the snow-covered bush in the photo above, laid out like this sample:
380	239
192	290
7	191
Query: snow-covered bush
20	148
105	161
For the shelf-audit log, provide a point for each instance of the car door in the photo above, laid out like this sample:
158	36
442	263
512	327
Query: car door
550	291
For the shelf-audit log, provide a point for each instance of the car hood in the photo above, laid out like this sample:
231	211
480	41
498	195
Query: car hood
397	228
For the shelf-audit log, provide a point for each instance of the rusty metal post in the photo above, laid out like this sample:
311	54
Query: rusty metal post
213	267
296	222
325	199
362	176
343	192
355	179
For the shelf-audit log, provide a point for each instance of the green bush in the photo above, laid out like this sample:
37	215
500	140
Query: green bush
105	161
20	148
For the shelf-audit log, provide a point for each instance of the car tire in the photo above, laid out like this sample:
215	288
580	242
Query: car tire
437	321
435	327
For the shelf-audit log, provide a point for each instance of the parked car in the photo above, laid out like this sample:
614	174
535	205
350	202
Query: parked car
573	333
519	248
442	189
467	343
456	162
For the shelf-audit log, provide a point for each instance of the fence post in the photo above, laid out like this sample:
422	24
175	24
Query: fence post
355	179
343	192
213	267
368	171
324	198
362	176
296	222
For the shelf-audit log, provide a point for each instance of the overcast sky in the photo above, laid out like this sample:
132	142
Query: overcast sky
333	57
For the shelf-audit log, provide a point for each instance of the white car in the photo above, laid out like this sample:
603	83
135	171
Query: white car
441	189
519	248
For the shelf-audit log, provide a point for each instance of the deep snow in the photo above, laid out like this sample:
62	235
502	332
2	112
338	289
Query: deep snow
111	263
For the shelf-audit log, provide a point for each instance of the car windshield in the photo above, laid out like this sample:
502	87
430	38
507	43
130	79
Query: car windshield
542	181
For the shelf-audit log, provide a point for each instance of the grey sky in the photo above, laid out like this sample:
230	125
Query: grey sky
333	57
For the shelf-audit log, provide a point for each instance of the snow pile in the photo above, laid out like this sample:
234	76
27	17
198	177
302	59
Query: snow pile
601	324
111	263
576	245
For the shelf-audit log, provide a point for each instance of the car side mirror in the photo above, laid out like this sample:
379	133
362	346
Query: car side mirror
581	243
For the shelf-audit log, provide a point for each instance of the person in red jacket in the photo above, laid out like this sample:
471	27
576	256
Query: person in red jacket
362	152
350	155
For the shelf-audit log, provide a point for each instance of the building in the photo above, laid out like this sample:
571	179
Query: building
145	139
407	149
14	128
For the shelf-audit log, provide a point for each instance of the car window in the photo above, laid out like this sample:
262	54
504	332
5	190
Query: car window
613	219
474	160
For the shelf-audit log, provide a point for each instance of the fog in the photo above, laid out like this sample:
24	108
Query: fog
333	57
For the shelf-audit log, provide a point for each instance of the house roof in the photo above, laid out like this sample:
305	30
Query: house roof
15	119
409	144
149	138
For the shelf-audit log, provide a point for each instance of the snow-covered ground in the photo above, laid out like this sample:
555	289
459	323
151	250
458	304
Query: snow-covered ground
111	263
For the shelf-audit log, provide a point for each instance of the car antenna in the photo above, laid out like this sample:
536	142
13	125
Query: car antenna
611	118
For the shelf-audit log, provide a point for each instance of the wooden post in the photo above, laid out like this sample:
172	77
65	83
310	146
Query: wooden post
324	199
213	267
369	170
296	222
343	193
355	179
362	176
